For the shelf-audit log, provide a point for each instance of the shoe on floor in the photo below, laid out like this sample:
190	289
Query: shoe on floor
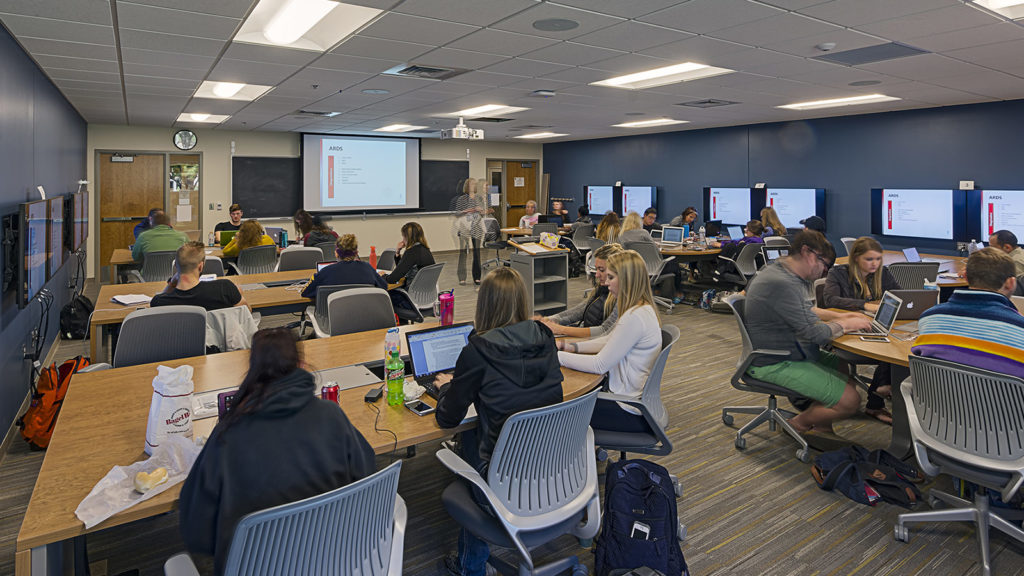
451	564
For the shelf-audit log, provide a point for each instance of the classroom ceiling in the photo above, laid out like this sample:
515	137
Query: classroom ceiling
141	62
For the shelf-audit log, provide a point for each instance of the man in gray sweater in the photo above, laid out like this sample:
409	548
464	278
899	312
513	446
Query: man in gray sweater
780	316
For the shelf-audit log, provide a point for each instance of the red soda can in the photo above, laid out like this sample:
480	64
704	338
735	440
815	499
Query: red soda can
329	392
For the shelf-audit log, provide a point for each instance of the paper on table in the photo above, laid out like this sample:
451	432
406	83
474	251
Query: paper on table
116	491
131	299
532	248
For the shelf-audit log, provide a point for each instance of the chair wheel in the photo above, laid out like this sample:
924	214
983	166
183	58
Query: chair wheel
678	487
900	533
601	454
727	419
803	456
682	532
579	570
933	502
741	443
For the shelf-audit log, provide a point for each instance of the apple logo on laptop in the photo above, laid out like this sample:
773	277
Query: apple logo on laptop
910	305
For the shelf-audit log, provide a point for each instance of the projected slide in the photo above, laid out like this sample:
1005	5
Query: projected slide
359	173
599	199
792	204
730	205
637	199
919	213
1002	210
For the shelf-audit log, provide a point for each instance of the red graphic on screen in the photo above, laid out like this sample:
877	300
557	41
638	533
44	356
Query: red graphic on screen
330	176
771	202
714	207
890	214
991	219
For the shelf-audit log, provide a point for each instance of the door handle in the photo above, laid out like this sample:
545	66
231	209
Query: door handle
123	219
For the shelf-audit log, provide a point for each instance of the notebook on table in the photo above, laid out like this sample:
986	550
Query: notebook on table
434	351
915	302
885	316
912	256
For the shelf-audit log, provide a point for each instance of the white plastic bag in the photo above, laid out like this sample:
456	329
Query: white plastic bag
170	411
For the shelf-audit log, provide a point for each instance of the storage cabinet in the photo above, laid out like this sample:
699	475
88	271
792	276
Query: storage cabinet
547	279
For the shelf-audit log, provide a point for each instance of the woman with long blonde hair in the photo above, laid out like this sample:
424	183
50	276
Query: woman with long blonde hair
772	224
608	228
250	234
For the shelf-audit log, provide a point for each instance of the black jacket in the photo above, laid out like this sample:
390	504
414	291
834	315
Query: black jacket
839	291
505	371
416	255
293	447
344	272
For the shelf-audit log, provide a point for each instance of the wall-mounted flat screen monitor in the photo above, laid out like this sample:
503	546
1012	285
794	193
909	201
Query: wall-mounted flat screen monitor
639	198
33	224
989	211
794	204
81	219
56	235
600	199
730	205
919	213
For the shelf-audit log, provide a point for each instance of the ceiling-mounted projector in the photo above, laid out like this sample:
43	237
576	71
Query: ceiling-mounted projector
462	132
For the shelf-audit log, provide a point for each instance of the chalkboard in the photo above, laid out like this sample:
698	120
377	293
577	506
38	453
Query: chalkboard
440	181
266	187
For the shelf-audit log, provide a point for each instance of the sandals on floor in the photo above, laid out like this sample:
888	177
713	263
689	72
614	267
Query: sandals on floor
880	414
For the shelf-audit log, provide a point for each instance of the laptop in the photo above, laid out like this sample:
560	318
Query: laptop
321	265
672	235
735	232
434	351
550	219
885	316
226	236
274	233
912	256
713	228
773	254
915	302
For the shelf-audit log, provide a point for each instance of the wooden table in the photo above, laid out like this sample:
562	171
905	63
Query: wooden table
529	231
955	264
123	257
685	253
109	314
103	424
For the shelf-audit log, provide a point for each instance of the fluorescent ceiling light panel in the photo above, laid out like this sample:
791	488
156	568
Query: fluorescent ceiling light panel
490	109
542	135
303	24
400	128
661	76
649	123
1012	9
203	118
234	91
836	102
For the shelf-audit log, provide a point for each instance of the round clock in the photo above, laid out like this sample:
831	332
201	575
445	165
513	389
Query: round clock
185	139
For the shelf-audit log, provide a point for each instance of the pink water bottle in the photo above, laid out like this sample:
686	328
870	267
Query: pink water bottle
446	307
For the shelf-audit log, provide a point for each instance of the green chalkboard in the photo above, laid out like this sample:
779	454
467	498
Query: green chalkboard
440	181
267	187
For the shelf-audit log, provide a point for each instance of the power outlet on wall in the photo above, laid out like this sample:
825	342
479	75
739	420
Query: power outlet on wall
219	206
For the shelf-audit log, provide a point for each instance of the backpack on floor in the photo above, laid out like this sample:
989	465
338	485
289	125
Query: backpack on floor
74	317
867	477
639	528
47	396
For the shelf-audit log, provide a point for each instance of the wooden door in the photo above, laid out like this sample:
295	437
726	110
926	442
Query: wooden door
520	186
128	190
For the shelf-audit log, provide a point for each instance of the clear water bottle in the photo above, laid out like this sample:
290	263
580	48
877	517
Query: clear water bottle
703	237
395	371
212	238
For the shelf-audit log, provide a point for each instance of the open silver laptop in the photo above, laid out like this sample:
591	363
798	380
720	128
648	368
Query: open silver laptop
672	235
274	233
885	316
915	302
735	232
912	256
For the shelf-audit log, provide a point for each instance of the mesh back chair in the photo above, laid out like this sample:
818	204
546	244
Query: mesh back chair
848	244
422	291
317	314
655	269
386	259
541	484
745	264
582	235
594	243
231	328
213	265
540	227
299	258
328	248
819	292
357	529
161	334
746	383
256	260
156	267
912	275
358	310
968	423
492	239
776	242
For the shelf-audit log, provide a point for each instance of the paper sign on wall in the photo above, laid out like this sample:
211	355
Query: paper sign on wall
184	213
495	199
183	201
519	182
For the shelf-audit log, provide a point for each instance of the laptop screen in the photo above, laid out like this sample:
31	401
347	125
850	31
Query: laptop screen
321	265
887	309
911	255
772	254
226	236
713	227
672	234
436	350
274	233
735	232
549	219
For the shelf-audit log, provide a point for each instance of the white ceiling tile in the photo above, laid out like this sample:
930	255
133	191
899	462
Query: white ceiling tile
630	63
843	39
40	46
906	28
464	11
857	12
104	117
32	27
109	87
532	84
85	11
62	74
705	16
752	60
155	58
393	84
794	66
501	42
631	9
230	8
481	78
841	76
158	82
934	94
407	28
700	49
775	29
214	106
572	54
451	58
588	21
269	54
250	72
1001	55
579	75
794	4
112	102
156	19
170	42
164	71
993	84
449	89
156	103
524	67
186	90
367	47
970	37
632	36
353	63
83	64
922	67
326	82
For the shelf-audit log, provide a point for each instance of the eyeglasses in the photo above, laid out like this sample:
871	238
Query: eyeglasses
821	259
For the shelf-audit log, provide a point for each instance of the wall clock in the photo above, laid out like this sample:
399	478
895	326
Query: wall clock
185	139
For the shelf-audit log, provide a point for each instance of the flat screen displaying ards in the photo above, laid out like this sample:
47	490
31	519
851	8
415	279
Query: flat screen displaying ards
1000	210
56	245
730	205
639	198
794	204
32	237
918	213
600	199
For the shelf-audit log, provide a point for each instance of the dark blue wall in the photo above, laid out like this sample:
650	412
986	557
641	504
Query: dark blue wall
933	148
43	143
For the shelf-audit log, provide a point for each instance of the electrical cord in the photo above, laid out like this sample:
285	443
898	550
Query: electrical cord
379	430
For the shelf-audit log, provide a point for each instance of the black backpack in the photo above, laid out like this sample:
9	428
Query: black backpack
639	528
867	477
74	317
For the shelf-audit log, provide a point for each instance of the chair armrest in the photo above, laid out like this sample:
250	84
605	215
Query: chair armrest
762	353
234	267
398	537
459	467
134	277
180	565
95	367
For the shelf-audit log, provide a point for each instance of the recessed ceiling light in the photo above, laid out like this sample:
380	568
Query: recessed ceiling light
665	75
231	91
555	24
865	83
492	109
1012	9
537	135
835	102
204	118
376	91
649	123
400	128
303	24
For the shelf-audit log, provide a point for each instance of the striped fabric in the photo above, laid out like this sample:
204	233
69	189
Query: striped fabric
977	328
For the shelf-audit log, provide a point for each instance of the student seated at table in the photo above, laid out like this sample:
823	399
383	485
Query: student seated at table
278	444
234	222
303	223
531	216
146	222
509	365
779	316
160	238
688	217
858	286
249	235
1006	241
595	315
608	228
349	269
633	231
185	289
411	255
751	235
979	326
319	233
629	351
582	218
651	220
771	222
558	209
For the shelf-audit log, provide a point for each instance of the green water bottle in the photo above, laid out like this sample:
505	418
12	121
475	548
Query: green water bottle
395	370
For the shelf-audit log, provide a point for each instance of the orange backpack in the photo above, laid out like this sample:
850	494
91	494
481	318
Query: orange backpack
47	396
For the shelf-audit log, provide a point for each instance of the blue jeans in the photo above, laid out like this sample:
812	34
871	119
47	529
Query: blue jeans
473	552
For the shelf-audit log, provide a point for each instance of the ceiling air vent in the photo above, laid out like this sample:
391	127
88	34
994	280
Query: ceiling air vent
877	53
488	119
707	103
425	72
314	114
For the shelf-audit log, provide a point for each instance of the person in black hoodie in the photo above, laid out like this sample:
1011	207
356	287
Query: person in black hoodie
509	365
278	444
416	255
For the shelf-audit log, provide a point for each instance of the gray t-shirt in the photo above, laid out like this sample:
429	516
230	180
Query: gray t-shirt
780	316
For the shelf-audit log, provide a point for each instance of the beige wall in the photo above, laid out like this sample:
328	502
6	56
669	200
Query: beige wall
215	147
